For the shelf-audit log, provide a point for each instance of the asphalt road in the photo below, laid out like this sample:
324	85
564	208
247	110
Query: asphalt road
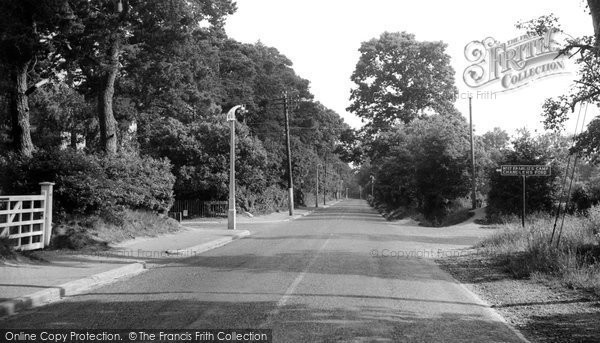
331	276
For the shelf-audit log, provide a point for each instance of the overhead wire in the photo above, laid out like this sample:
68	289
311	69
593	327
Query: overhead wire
564	182
571	182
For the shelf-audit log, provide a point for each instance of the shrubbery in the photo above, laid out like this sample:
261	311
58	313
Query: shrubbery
200	156
90	184
506	192
422	165
269	199
585	196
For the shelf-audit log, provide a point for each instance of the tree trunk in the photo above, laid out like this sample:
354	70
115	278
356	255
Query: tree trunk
73	133
21	132
594	6
108	124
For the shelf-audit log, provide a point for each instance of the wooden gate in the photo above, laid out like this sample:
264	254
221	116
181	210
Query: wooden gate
27	219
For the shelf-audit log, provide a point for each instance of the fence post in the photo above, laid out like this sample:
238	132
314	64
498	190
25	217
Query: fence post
47	192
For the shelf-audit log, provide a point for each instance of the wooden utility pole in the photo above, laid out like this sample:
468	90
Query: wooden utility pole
289	155
473	177
317	188
325	182
523	215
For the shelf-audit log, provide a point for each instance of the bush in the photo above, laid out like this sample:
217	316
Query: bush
270	199
199	152
88	184
506	192
423	164
584	197
140	182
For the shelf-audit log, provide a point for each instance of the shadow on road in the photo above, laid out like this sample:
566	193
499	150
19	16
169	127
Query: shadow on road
292	323
329	263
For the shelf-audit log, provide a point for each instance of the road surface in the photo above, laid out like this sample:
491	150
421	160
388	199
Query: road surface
339	274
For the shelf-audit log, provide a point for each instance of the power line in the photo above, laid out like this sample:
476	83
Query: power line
562	195
571	183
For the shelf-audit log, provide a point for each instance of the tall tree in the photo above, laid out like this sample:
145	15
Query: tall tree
399	79
29	32
114	31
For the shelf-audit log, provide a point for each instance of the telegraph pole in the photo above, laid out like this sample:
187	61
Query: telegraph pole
284	101
289	154
317	188
325	182
473	178
523	209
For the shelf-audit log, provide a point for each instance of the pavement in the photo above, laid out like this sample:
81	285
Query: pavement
339	274
56	274
276	217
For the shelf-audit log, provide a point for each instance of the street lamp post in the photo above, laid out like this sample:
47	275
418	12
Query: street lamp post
231	219
372	185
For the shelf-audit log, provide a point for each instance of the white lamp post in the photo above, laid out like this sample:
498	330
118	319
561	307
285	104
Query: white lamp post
231	220
372	186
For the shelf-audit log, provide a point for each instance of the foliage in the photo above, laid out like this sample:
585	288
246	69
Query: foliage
200	156
588	142
505	195
585	195
33	29
585	51
399	79
61	114
422	164
489	152
88	184
174	73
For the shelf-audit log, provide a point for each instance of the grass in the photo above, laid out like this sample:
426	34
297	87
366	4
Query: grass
6	250
452	218
95	233
458	211
527	252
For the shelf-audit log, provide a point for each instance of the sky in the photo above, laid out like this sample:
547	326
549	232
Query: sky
322	38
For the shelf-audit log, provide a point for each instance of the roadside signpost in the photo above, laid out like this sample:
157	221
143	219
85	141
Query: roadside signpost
524	171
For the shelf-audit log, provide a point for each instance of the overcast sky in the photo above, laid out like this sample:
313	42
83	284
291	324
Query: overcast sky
322	38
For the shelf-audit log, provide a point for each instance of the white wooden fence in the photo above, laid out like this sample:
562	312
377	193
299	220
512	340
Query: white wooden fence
27	219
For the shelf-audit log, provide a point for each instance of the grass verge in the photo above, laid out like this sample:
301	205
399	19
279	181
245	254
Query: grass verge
95	233
527	252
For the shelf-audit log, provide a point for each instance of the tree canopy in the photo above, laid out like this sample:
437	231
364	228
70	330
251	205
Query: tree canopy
399	79
152	79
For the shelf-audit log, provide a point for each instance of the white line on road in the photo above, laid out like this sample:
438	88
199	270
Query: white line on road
292	288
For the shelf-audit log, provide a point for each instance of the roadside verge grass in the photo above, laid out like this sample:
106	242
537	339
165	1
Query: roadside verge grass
527	252
95	233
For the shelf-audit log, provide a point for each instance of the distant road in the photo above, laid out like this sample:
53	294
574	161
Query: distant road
318	278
